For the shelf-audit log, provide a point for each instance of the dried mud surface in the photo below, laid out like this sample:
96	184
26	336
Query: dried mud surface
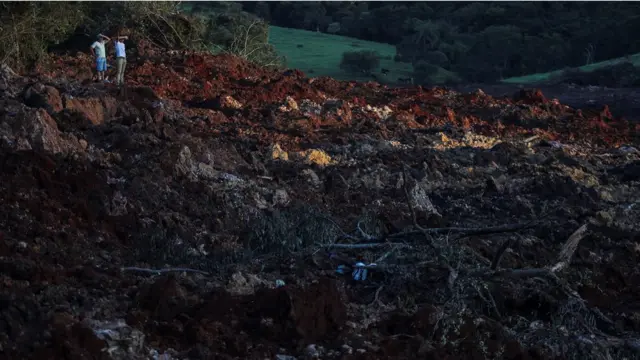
247	175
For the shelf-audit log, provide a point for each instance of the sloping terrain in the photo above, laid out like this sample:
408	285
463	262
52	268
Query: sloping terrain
204	211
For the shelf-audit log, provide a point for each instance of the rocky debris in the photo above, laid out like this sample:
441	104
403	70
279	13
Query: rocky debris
314	156
240	284
177	205
278	154
312	178
41	96
122	341
95	110
23	128
289	105
530	96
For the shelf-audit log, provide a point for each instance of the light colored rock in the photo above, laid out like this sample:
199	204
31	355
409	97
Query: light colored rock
469	139
310	108
315	156
243	284
206	171
289	105
278	154
184	163
123	341
229	102
285	357
420	200
281	198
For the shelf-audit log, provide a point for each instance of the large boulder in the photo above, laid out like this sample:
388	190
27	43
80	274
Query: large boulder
43	96
97	110
23	128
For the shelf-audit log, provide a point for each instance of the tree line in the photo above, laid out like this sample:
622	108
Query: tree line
480	41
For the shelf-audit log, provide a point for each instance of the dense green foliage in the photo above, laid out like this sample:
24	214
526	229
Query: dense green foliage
232	30
28	30
481	41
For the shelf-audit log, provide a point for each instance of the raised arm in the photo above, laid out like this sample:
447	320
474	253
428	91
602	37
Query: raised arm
105	37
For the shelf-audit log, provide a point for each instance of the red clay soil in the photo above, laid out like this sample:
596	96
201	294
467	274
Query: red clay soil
244	176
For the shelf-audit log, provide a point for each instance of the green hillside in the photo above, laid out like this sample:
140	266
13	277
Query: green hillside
319	54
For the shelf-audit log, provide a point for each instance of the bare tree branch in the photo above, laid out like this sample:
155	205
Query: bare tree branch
366	245
161	271
570	246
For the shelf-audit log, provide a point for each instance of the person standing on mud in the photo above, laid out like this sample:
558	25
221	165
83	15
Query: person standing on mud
121	59
99	52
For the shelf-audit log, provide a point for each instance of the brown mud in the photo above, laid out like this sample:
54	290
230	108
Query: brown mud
247	175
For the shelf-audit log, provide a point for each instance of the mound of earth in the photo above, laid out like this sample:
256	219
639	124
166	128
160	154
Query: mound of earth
204	211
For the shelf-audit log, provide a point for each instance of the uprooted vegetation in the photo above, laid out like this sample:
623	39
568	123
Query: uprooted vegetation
204	211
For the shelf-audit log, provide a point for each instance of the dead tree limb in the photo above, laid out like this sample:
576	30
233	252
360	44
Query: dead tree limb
161	271
469	231
500	253
611	341
405	186
364	234
569	247
366	245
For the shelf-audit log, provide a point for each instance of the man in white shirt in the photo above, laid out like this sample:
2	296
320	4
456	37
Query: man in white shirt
121	59
98	50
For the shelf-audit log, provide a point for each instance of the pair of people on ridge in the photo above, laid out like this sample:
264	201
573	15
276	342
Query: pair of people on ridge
99	52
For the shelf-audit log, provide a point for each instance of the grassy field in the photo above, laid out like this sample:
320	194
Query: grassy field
541	77
319	54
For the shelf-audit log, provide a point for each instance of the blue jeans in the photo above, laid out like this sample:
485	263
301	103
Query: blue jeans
101	64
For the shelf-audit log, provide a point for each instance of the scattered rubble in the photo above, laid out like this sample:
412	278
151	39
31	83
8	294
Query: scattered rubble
207	207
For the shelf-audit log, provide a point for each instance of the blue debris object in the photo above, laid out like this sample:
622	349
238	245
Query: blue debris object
342	269
359	271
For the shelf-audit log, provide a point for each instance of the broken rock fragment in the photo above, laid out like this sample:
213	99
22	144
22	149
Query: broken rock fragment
41	96
289	105
227	102
315	156
281	198
312	178
25	128
278	154
94	109
184	162
421	202
338	108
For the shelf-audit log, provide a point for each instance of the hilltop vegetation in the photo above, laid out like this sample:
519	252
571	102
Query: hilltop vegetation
481	42
31	30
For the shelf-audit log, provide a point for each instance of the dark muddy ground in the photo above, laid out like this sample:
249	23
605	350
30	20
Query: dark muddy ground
623	102
203	213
